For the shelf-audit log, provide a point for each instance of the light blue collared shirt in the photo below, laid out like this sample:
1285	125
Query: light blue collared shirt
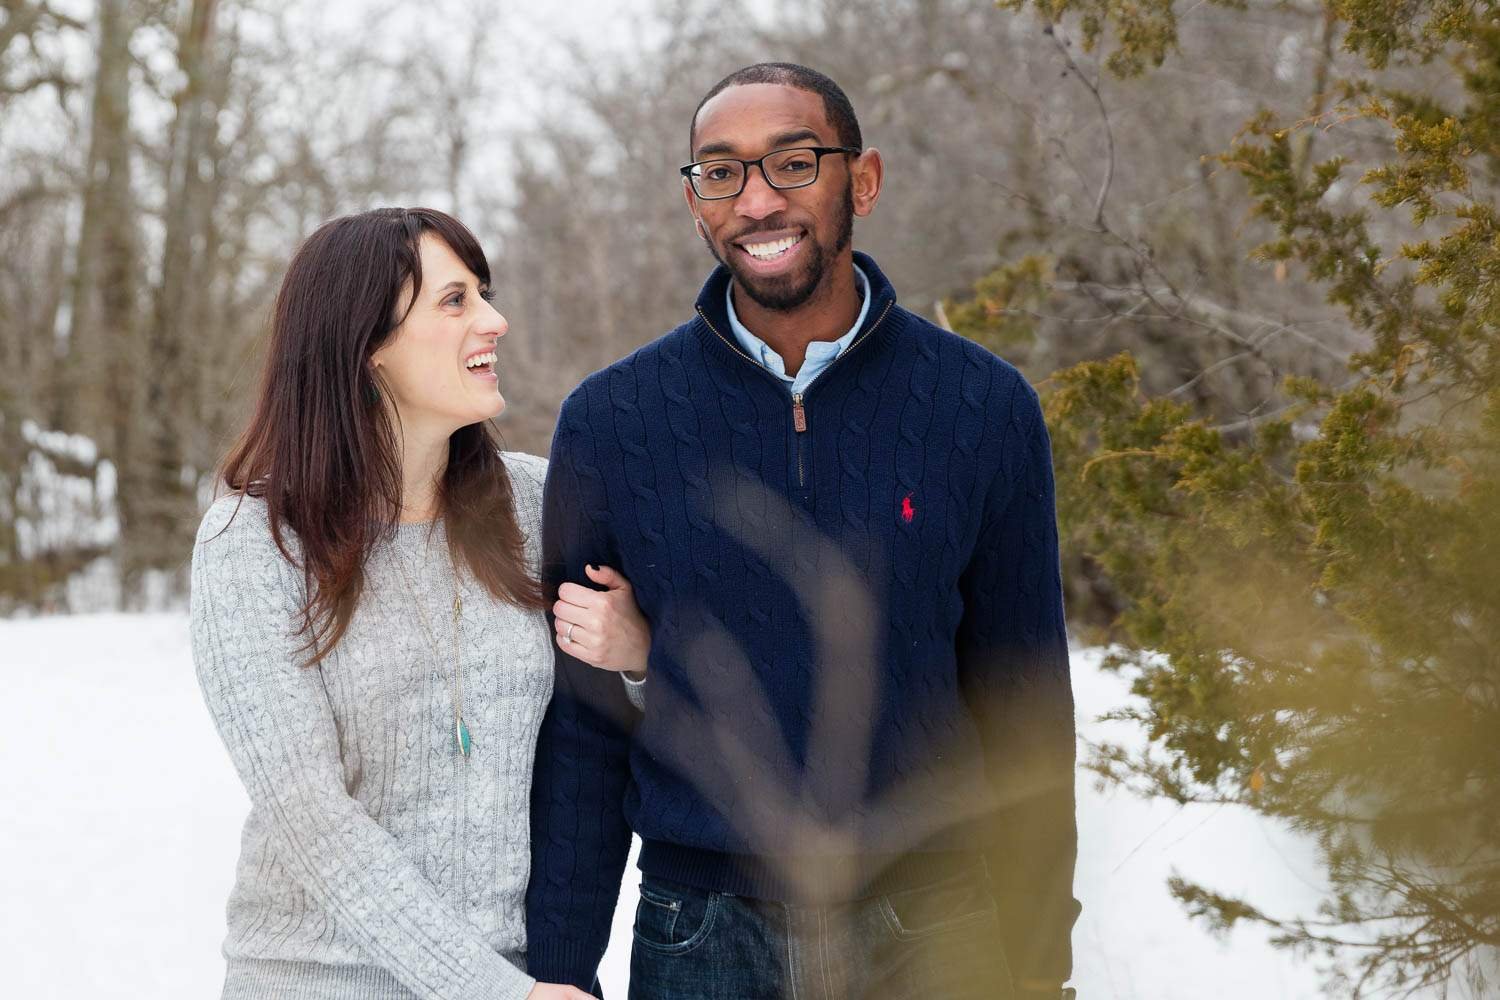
820	353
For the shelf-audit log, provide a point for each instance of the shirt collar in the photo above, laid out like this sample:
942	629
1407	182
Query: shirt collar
818	351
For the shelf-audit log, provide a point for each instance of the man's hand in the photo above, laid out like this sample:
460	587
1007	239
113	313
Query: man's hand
603	628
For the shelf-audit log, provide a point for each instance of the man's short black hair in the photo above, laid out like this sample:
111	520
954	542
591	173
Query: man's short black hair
835	102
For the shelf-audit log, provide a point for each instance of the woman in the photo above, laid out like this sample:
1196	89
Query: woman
369	633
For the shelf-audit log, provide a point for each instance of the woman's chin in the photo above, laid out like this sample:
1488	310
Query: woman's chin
487	405
494	409
479	415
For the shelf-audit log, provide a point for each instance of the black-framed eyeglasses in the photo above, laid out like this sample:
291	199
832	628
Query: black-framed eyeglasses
725	177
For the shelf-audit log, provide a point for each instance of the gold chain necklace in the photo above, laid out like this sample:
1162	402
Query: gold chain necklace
461	738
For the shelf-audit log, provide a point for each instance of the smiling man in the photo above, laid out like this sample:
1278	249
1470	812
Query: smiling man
850	760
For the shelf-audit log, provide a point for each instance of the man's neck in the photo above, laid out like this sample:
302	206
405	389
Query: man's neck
826	315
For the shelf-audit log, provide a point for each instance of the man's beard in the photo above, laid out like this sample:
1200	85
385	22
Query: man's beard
790	291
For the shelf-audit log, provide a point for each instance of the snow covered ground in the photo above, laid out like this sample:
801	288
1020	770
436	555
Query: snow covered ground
122	814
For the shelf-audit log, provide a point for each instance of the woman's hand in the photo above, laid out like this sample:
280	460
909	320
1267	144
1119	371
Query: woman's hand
603	628
552	991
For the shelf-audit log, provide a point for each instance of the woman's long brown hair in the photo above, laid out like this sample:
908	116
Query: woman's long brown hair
322	452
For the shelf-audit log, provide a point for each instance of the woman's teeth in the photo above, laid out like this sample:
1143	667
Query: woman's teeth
481	361
765	251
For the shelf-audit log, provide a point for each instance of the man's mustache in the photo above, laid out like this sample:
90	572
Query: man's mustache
764	226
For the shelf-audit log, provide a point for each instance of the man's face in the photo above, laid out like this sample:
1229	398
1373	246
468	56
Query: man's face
778	243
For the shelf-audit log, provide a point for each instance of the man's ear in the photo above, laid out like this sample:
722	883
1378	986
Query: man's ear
866	175
691	198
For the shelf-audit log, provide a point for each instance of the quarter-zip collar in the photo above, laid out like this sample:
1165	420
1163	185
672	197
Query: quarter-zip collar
712	323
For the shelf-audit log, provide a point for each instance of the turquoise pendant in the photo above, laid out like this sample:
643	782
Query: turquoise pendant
461	736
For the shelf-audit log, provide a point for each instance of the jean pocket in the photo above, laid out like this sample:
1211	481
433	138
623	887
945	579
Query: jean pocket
673	919
939	907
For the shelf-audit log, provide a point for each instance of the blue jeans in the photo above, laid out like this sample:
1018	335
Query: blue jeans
934	941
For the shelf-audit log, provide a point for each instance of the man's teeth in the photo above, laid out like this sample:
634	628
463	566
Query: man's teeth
481	359
767	250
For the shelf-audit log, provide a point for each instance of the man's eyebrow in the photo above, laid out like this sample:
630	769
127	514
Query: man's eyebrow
777	142
714	149
794	136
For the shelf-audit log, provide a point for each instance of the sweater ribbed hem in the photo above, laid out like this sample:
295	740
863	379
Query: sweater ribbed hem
807	880
277	979
563	960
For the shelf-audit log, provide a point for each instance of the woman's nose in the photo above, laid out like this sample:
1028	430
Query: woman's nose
492	323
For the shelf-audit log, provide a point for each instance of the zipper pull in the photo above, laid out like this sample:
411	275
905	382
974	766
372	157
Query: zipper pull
799	415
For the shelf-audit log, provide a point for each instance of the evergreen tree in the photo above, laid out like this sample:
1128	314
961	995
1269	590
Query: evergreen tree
1311	595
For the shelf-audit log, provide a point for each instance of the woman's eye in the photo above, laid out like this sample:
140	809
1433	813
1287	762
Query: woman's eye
456	299
488	294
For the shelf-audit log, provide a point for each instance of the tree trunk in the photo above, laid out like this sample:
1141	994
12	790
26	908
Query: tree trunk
100	358
166	505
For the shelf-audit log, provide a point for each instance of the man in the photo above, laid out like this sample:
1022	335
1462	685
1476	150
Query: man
853	769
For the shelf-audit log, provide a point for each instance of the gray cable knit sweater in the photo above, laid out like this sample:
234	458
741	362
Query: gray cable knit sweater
376	862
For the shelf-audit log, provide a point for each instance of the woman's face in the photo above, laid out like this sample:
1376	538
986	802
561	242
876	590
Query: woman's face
439	366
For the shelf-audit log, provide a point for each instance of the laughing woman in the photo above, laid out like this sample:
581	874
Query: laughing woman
369	634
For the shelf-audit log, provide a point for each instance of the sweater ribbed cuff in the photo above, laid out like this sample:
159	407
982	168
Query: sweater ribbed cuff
504	987
562	960
635	690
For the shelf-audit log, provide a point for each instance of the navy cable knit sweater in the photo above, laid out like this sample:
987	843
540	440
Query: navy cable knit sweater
859	665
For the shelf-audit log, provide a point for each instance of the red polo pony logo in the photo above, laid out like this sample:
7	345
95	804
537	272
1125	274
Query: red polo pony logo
907	510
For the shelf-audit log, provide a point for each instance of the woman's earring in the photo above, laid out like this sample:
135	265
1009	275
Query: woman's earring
372	392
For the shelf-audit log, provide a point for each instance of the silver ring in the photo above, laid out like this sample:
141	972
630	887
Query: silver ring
568	635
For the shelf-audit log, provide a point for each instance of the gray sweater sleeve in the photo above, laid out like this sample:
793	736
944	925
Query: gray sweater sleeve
275	719
636	692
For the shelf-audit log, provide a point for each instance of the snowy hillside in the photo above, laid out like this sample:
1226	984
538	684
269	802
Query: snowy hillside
123	814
